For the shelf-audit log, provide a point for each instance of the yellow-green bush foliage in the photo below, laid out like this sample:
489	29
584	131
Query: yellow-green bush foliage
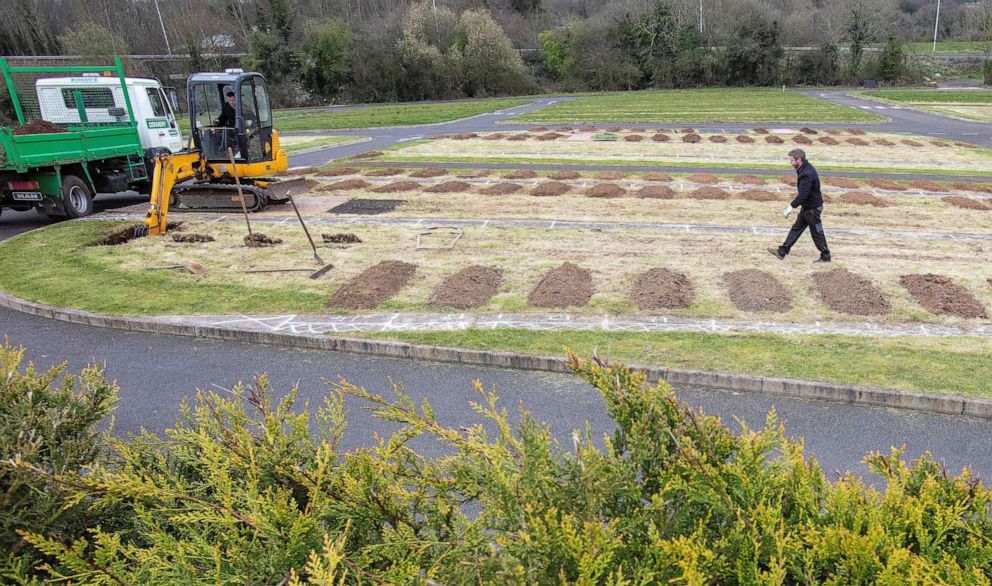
249	490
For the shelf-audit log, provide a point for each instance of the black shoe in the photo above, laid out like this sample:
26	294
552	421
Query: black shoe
821	260
774	252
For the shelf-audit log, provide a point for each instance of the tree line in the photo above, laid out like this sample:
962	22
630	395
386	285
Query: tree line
319	51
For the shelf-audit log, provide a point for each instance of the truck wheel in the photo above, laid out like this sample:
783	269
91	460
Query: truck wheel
76	197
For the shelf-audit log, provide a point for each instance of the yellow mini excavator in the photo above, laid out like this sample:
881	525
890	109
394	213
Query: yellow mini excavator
230	118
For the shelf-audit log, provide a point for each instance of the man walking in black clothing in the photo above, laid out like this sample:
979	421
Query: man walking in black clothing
809	200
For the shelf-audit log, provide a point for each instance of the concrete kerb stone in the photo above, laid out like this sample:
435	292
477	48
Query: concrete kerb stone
880	397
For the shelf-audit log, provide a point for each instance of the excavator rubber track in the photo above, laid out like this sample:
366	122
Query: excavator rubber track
223	197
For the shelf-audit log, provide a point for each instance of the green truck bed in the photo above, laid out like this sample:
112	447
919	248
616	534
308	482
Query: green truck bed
20	152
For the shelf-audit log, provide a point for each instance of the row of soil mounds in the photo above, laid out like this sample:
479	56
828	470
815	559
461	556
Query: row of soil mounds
750	290
703	178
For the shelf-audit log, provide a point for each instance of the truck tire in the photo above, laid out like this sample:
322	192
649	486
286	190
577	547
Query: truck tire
76	197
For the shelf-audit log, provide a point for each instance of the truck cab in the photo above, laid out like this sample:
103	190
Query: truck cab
95	99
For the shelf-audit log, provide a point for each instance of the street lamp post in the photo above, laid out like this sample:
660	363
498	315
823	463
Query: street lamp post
936	19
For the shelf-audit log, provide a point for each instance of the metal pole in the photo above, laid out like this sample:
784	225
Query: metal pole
935	20
162	23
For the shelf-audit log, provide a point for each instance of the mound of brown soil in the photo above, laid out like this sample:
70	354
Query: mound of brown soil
396	186
550	188
749	180
691	138
843	182
520	174
449	187
941	295
789	180
660	137
564	129
846	292
828	141
759	130
963	186
802	139
373	286
886	185
633	138
609	175
473	174
38	127
588	128
806	130
759	195
548	136
662	289
614	129
910	142
340	238
259	240
884	142
429	172
940	144
501	189
566	286
192	238
518	137
744	139
855	131
772	139
862	198
606	190
924	185
368	155
656	192
464	136
387	172
857	141
704	178
709	193
637	129
338	171
658	177
754	290
965	202
470	287
833	131
717	138
538	129
983	187
345	185
564	175
494	136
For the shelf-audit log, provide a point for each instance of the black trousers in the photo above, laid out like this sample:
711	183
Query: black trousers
807	218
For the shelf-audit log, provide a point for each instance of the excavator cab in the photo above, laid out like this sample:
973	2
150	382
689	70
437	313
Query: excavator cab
231	110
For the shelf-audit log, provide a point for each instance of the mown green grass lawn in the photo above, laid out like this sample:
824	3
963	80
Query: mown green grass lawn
705	105
934	96
295	144
938	365
947	47
58	265
388	115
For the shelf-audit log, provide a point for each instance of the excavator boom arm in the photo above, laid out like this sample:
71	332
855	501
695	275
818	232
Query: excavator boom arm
169	169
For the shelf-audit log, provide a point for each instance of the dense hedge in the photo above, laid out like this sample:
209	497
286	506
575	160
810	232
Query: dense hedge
247	489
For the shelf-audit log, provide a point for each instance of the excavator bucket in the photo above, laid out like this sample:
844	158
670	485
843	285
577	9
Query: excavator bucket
281	189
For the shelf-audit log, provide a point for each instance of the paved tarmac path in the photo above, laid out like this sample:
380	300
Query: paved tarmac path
156	371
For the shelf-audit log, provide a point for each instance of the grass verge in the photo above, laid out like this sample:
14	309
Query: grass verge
952	365
79	275
295	144
391	115
706	105
934	96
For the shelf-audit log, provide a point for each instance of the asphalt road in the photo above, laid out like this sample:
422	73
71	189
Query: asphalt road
155	372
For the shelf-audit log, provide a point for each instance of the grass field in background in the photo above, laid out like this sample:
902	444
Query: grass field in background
295	144
934	96
388	115
705	105
952	365
947	47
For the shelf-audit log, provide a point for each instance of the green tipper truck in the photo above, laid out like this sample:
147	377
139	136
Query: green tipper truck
81	130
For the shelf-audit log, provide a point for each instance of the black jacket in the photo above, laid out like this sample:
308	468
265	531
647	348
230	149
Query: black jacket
807	187
226	118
